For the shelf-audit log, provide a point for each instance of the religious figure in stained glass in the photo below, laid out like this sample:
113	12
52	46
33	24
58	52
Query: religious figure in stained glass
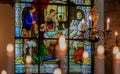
76	25
51	21
29	24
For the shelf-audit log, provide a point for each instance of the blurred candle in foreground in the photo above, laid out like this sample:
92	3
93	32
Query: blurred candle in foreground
28	59
85	57
116	63
99	59
85	54
108	23
115	50
62	42
10	54
28	63
100	51
57	71
3	72
10	50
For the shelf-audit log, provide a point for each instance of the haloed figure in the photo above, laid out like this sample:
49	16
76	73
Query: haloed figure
29	22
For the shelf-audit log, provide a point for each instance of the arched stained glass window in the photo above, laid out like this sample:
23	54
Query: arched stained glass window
39	24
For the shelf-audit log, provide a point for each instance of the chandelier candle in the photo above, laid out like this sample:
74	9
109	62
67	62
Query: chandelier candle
116	37
108	24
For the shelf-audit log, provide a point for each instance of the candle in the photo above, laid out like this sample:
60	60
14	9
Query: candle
90	18
108	24
116	37
28	62
57	71
115	50
3	72
100	60
83	21
10	50
117	63
62	43
10	54
85	58
61	52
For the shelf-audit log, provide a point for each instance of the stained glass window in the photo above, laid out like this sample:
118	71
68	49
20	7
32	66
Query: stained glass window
37	34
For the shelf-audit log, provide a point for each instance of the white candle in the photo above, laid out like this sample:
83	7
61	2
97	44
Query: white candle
10	54
115	50
85	58
61	52
83	21
90	22
3	72
100	60
108	23
117	63
28	63
116	37
57	71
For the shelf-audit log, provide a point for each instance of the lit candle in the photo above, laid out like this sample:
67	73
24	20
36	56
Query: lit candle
10	54
61	52
90	22
108	24
85	58
83	21
62	43
117	63
3	72
100	60
115	50
28	63
57	71
116	37
10	50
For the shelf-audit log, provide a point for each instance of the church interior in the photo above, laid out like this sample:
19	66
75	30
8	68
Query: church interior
59	37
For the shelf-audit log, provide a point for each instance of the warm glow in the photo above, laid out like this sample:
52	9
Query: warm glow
62	42
90	17
85	55
108	20
10	49
28	59
117	56
116	33
115	50
3	72
83	21
57	71
100	50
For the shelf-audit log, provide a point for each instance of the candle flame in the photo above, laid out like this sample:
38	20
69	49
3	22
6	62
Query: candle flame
57	71
83	21
28	59
108	20
3	72
115	50
10	49
116	33
100	50
62	42
90	17
85	54
117	56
